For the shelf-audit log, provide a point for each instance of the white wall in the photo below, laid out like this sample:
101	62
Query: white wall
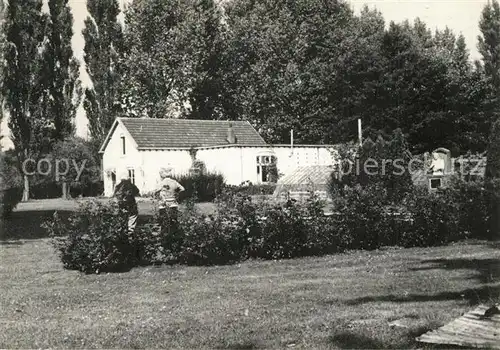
153	161
114	159
239	164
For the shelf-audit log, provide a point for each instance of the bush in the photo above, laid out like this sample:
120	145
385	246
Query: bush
11	188
204	187
435	220
252	190
94	239
473	200
361	217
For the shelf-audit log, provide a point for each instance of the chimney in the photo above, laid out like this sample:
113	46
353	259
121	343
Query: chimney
231	137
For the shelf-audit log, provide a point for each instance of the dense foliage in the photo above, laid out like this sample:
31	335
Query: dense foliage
95	238
310	65
70	169
384	163
103	46
202	187
61	71
10	185
492	178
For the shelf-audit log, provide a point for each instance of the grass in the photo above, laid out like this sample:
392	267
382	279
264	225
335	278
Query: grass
378	299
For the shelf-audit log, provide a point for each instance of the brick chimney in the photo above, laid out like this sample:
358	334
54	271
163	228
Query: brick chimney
231	137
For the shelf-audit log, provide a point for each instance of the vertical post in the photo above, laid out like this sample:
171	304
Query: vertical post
291	141
359	133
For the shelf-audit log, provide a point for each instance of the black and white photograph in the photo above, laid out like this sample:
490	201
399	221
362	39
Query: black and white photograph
249	174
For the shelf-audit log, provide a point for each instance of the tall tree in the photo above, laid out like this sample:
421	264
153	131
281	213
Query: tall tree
62	70
492	180
3	43
172	62
489	42
25	28
283	58
103	44
207	34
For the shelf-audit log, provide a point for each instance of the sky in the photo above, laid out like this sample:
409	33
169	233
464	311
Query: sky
462	16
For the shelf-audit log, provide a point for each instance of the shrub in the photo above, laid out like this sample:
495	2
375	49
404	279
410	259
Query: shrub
205	187
94	239
390	172
492	187
435	220
11	189
492	180
473	201
361	217
209	240
252	190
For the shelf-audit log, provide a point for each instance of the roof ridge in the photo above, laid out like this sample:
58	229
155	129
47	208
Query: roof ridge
188	120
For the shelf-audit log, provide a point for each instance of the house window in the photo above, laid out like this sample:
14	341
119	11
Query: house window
266	169
131	175
123	144
435	183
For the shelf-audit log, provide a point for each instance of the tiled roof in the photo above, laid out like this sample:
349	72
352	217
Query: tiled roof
186	133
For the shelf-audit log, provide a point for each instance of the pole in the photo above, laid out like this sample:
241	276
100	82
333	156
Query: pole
359	133
291	141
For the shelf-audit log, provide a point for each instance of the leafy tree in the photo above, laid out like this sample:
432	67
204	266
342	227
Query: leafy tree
492	179
3	43
62	70
173	64
383	164
493	162
207	35
79	155
25	28
489	42
153	61
282	64
103	44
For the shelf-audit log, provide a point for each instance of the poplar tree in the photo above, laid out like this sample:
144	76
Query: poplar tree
103	42
489	42
2	62
61	70
25	97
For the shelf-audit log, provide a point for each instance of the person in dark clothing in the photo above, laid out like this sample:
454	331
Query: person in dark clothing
125	193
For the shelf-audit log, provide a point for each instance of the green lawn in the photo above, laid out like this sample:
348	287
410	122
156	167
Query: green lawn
342	301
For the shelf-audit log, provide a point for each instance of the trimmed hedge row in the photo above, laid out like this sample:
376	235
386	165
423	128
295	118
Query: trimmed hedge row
204	187
94	239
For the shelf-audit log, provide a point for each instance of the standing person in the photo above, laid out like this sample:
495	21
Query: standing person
125	193
167	189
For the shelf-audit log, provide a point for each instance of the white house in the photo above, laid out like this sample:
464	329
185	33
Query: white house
140	147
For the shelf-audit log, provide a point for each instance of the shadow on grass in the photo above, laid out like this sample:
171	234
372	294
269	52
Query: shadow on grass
240	346
474	296
488	269
390	339
352	340
28	224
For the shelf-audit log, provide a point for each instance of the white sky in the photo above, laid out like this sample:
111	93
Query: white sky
462	16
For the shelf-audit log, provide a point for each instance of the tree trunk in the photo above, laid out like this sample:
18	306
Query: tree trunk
26	188
65	190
